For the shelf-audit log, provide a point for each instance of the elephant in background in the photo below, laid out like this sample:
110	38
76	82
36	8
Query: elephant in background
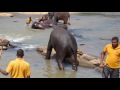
46	24
37	25
44	18
65	16
51	14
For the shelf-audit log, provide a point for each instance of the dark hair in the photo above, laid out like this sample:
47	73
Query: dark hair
20	53
115	38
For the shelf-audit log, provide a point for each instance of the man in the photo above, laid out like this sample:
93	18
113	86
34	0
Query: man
29	20
18	68
112	62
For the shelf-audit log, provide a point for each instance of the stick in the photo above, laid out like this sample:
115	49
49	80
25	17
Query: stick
1	51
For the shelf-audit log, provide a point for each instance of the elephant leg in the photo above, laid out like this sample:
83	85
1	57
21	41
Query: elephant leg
74	63
49	50
56	20
65	20
60	59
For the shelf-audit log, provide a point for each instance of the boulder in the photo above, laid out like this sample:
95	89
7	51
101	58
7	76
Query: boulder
4	48
4	42
43	50
85	60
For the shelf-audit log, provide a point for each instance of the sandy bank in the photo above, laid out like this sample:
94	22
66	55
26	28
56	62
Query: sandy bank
41	13
6	14
37	13
27	13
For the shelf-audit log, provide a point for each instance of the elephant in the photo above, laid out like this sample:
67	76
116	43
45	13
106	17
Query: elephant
37	25
50	15
65	46
46	24
44	18
60	16
49	23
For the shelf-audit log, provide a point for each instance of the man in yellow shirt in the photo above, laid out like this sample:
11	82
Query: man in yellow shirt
112	62
29	20
18	68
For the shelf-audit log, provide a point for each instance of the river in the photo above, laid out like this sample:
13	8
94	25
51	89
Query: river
94	30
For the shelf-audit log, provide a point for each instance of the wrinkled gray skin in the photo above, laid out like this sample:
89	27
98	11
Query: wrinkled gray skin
59	16
46	24
49	22
37	25
65	46
51	14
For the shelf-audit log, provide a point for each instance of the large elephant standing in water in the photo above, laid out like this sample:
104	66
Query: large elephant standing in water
65	46
65	16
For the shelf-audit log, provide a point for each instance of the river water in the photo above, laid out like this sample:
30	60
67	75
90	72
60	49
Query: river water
94	30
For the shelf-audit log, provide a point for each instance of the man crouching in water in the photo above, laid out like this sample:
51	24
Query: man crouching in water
28	21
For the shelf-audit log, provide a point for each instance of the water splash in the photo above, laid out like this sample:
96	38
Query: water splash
26	46
18	38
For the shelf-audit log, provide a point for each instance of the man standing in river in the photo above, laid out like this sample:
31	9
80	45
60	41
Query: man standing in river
112	62
18	68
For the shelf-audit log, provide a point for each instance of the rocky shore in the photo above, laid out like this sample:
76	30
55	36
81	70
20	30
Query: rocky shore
85	60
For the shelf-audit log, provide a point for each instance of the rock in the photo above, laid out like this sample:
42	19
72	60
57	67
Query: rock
85	63
85	60
43	50
4	48
12	15
79	52
82	44
4	42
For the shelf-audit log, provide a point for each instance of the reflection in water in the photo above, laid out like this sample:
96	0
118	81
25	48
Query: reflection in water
52	72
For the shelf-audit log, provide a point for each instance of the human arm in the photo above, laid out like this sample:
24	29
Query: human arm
102	58
4	72
28	71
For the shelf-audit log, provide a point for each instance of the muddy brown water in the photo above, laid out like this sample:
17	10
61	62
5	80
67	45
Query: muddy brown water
87	29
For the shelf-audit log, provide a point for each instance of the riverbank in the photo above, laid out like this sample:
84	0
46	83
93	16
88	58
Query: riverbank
41	13
27	13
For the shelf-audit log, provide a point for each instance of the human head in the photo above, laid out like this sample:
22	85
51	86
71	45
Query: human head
115	42
20	53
